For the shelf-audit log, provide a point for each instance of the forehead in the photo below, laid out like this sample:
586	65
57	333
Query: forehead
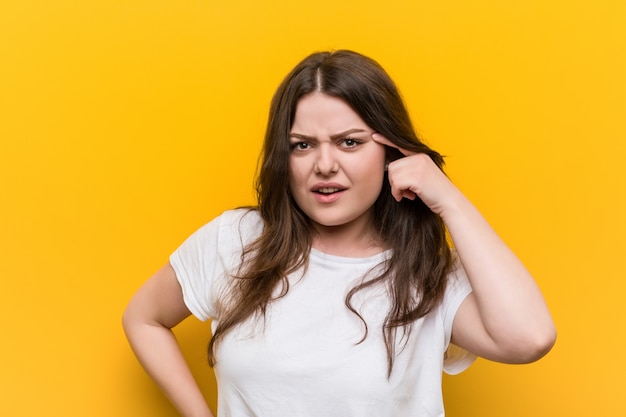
320	113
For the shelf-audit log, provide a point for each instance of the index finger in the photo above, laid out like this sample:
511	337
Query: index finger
378	138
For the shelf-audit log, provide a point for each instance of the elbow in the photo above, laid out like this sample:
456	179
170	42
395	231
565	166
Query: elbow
546	343
131	319
132	324
534	346
127	320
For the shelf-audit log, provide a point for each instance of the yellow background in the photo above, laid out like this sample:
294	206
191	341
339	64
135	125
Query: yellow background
125	125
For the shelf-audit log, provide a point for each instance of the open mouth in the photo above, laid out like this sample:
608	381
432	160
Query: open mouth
327	190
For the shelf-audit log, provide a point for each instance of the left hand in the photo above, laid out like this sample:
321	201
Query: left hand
416	175
505	318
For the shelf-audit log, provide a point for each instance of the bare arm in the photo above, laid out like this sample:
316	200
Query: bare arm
152	312
505	318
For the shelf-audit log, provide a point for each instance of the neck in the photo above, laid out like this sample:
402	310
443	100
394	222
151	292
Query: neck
349	240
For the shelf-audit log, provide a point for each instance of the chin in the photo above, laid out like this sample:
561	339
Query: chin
333	221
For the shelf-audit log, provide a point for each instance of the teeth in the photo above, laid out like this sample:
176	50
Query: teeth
327	190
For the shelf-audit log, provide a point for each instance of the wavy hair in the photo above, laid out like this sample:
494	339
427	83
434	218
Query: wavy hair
415	273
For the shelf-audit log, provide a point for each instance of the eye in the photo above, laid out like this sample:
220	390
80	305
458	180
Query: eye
300	146
350	143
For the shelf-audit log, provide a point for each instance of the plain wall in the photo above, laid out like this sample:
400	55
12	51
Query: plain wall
126	125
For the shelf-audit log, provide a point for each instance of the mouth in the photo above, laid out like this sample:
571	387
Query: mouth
327	190
328	193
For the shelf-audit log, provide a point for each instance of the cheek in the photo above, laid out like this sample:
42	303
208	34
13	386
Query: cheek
376	169
296	175
374	162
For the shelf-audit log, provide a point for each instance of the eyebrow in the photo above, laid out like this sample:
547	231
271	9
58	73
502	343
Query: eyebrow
333	137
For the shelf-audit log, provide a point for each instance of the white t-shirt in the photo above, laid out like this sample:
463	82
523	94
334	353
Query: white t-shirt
305	359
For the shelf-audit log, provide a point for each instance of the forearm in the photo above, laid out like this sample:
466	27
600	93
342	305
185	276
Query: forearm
511	306
158	351
505	318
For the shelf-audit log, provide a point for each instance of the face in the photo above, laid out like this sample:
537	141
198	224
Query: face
336	169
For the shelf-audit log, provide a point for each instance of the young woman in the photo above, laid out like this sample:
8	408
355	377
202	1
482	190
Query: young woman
339	294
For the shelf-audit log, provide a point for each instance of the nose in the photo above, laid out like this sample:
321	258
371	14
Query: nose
326	162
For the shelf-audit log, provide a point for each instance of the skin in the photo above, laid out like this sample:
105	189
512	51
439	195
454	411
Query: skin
505	319
332	150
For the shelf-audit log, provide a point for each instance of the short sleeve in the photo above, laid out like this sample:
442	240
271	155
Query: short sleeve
456	359
206	260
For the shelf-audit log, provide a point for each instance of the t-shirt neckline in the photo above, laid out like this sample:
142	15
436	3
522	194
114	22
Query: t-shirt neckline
376	258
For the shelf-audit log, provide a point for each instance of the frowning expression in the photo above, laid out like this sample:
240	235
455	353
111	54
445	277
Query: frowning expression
336	169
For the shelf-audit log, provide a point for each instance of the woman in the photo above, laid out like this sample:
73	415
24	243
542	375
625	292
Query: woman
339	295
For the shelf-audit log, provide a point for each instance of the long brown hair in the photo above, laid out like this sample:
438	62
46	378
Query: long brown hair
415	274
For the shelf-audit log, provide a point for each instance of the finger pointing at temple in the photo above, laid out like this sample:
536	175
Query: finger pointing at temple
378	138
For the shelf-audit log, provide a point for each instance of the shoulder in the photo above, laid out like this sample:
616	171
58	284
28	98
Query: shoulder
244	223
230	231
